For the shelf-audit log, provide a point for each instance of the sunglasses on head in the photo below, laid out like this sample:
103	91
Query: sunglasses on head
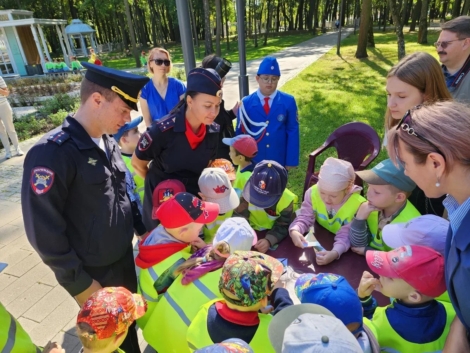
445	44
160	62
405	125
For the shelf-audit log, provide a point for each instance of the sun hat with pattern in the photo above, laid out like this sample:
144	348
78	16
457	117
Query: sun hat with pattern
232	345
248	277
111	311
226	165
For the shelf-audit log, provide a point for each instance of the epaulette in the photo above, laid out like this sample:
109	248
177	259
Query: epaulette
59	137
214	127
166	123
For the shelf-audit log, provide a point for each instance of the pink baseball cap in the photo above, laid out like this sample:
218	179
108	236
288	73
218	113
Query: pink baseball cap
244	144
336	175
428	230
419	266
165	191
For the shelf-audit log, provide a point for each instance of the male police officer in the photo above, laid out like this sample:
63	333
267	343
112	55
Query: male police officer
270	116
76	211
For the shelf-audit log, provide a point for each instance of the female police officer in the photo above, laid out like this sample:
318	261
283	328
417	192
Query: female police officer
184	142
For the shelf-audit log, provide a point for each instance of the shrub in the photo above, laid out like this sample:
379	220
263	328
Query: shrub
57	103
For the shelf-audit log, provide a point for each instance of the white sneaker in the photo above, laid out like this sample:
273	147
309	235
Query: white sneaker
19	152
8	155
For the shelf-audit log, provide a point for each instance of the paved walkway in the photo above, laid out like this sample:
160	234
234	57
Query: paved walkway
28	288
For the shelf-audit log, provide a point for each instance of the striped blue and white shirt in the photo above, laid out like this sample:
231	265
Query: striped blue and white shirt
456	212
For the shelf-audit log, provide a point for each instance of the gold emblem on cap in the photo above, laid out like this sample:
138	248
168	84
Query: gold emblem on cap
123	94
219	93
269	165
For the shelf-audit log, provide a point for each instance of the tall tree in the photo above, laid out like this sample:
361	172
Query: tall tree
132	34
366	12
207	28
396	9
456	8
423	23
218	33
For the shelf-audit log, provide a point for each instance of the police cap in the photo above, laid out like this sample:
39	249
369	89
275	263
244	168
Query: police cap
204	81
126	85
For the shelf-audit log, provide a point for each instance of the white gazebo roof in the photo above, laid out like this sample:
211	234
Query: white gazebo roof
14	18
78	27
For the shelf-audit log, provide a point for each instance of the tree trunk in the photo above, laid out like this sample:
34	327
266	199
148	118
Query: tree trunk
370	34
311	10
466	8
300	12
207	29
73	9
456	8
361	51
227	28
395	10
416	15
132	34
423	23
268	23
445	5
218	27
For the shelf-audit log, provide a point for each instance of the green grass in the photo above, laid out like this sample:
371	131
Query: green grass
336	90
275	43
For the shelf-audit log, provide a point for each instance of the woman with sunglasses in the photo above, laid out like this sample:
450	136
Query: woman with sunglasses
416	79
162	93
180	145
431	142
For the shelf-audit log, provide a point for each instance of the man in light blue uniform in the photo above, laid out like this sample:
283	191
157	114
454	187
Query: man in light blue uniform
270	116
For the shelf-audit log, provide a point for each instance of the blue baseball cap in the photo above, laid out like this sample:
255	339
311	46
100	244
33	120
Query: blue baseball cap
269	66
127	126
205	81
386	173
332	292
266	184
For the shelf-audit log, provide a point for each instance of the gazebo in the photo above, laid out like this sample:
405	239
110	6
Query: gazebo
23	44
77	33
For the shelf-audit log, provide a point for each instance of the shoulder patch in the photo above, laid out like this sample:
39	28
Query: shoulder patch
166	123
145	142
42	179
59	137
214	127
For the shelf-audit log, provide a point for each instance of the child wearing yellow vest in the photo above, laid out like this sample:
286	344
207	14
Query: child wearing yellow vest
332	203
242	149
168	245
247	279
387	202
415	321
267	204
197	285
215	185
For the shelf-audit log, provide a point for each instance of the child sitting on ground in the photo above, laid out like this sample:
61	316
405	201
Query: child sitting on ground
198	284
267	204
242	149
332	202
105	318
247	279
387	194
168	245
335	294
216	187
415	321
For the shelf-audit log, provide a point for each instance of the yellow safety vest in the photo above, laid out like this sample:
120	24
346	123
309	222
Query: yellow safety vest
198	335
139	181
210	229
390	341
406	215
344	215
13	338
260	220
167	327
240	180
148	276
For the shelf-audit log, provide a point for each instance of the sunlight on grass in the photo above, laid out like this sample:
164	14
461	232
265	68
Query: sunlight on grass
336	90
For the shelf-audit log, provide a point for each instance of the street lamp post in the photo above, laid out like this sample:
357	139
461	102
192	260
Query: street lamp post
243	77
184	21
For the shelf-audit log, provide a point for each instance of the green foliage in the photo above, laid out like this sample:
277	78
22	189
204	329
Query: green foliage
59	102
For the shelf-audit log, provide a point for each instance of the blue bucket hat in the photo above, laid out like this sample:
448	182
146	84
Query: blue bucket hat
269	66
126	127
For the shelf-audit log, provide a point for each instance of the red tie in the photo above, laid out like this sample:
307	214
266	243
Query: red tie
266	105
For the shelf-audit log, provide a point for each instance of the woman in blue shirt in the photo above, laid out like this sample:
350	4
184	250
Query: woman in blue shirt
432	143
161	93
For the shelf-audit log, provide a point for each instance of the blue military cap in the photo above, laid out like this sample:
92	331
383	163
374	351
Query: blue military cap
204	81
269	66
128	126
126	85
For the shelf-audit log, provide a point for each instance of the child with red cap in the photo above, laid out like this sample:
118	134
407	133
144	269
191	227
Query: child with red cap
414	276
168	245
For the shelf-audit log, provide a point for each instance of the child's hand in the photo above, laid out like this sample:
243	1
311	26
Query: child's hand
365	210
202	196
297	238
262	245
360	250
198	243
325	257
53	347
235	108
367	285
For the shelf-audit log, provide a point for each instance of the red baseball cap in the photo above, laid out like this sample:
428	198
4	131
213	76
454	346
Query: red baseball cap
185	208
244	144
164	191
111	310
419	266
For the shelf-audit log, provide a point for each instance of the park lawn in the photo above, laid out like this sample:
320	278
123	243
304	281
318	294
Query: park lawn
336	90
275	43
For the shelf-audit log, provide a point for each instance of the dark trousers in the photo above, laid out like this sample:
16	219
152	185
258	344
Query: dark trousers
120	274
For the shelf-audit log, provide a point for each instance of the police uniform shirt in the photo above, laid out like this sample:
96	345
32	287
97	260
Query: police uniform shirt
76	210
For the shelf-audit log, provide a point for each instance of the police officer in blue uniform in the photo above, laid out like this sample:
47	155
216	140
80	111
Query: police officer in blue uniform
76	211
180	145
270	116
